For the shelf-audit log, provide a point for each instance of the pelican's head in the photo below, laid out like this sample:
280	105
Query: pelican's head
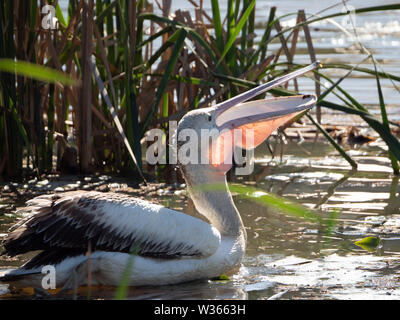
209	135
206	137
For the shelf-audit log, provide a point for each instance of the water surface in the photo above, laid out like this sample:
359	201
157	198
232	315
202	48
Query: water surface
285	255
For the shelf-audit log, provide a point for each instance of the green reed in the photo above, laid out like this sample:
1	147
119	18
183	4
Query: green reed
155	66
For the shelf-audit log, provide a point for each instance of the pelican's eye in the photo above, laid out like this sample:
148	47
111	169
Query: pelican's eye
209	117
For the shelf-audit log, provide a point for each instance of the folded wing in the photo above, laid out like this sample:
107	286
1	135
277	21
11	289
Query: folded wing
70	223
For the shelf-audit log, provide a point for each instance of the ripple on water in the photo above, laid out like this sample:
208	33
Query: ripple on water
306	177
344	275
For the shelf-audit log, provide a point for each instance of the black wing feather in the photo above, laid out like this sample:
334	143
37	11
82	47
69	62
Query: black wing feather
63	225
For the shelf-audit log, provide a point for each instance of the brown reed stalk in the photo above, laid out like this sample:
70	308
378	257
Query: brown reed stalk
85	96
313	59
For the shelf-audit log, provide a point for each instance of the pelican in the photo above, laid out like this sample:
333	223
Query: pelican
169	247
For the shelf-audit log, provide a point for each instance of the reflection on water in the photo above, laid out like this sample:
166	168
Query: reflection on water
287	257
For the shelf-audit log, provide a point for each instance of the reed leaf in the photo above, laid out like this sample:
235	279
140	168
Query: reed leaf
237	30
333	142
280	204
384	132
217	25
106	11
117	122
38	72
267	33
180	40
393	160
60	16
384	75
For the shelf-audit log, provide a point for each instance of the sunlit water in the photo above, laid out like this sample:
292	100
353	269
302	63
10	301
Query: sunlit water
287	257
336	40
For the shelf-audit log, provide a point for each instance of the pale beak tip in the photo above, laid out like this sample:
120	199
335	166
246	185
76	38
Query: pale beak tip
313	97
306	96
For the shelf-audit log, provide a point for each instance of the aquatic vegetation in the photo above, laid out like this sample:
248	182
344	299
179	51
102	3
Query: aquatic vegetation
369	243
155	66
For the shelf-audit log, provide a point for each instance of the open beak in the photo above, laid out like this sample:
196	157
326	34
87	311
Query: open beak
256	120
261	117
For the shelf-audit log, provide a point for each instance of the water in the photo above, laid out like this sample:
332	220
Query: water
287	258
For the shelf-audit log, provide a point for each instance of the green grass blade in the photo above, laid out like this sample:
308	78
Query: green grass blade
160	20
231	21
243	39
334	143
181	36
217	24
267	33
353	102
168	43
18	121
114	115
237	29
361	69
165	105
251	26
394	161
384	132
203	43
155	36
32	18
105	12
38	72
192	33
60	16
123	287
263	45
280	204
192	80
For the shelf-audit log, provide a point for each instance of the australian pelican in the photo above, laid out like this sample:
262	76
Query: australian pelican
170	246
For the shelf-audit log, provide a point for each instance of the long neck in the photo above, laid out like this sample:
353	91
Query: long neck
212	198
